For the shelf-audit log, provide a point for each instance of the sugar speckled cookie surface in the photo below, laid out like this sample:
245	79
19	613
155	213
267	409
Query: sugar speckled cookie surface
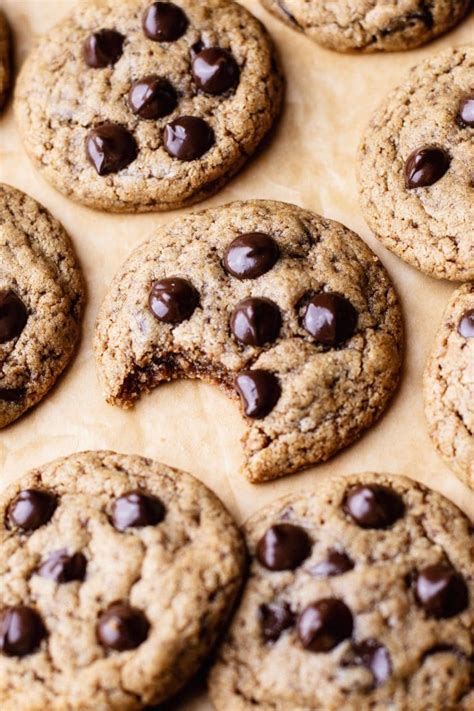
138	106
449	385
5	56
369	25
290	311
41	300
117	574
416	167
360	596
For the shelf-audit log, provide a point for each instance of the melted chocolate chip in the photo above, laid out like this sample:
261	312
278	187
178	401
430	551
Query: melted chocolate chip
164	22
466	112
21	631
251	255
173	300
275	618
335	563
426	166
259	392
373	506
255	321
136	510
103	48
13	316
64	568
152	97
441	591
329	318
31	508
12	394
466	324
188	138
215	70
283	547
373	655
324	624
110	148
122	627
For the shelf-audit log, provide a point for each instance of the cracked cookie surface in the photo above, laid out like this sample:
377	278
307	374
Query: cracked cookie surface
41	300
274	303
5	60
138	106
369	25
360	595
415	167
449	385
119	573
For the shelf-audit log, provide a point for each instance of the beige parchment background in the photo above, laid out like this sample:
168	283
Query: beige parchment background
310	162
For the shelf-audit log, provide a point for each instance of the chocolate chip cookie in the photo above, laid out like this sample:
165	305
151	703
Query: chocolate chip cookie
117	574
416	167
369	25
41	300
280	307
139	106
5	60
361	596
449	385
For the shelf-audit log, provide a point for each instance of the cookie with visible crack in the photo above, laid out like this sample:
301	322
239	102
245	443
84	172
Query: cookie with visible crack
290	311
360	595
117	575
449	385
41	302
5	60
139	106
416	167
369	25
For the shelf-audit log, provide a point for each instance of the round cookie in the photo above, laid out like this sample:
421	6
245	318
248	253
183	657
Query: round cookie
288	310
41	300
415	167
360	596
5	60
369	25
117	574
449	385
138	106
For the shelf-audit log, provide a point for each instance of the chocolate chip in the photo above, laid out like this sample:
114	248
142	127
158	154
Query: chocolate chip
441	591
122	627
164	22
373	655
466	324
373	506
64	568
283	547
12	394
103	48
152	97
215	70
172	300
21	631
324	624
426	166
31	508
329	318
136	510
251	255
188	138
466	112
335	563
259	391
13	316
274	619
110	148
255	321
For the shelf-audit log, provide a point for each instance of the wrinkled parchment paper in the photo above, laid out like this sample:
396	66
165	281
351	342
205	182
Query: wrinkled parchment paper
310	161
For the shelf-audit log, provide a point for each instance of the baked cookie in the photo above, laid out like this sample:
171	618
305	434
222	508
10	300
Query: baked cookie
5	60
416	167
288	310
41	300
138	106
369	25
449	385
117	574
361	596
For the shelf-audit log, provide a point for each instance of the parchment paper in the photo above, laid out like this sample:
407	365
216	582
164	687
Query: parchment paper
310	161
